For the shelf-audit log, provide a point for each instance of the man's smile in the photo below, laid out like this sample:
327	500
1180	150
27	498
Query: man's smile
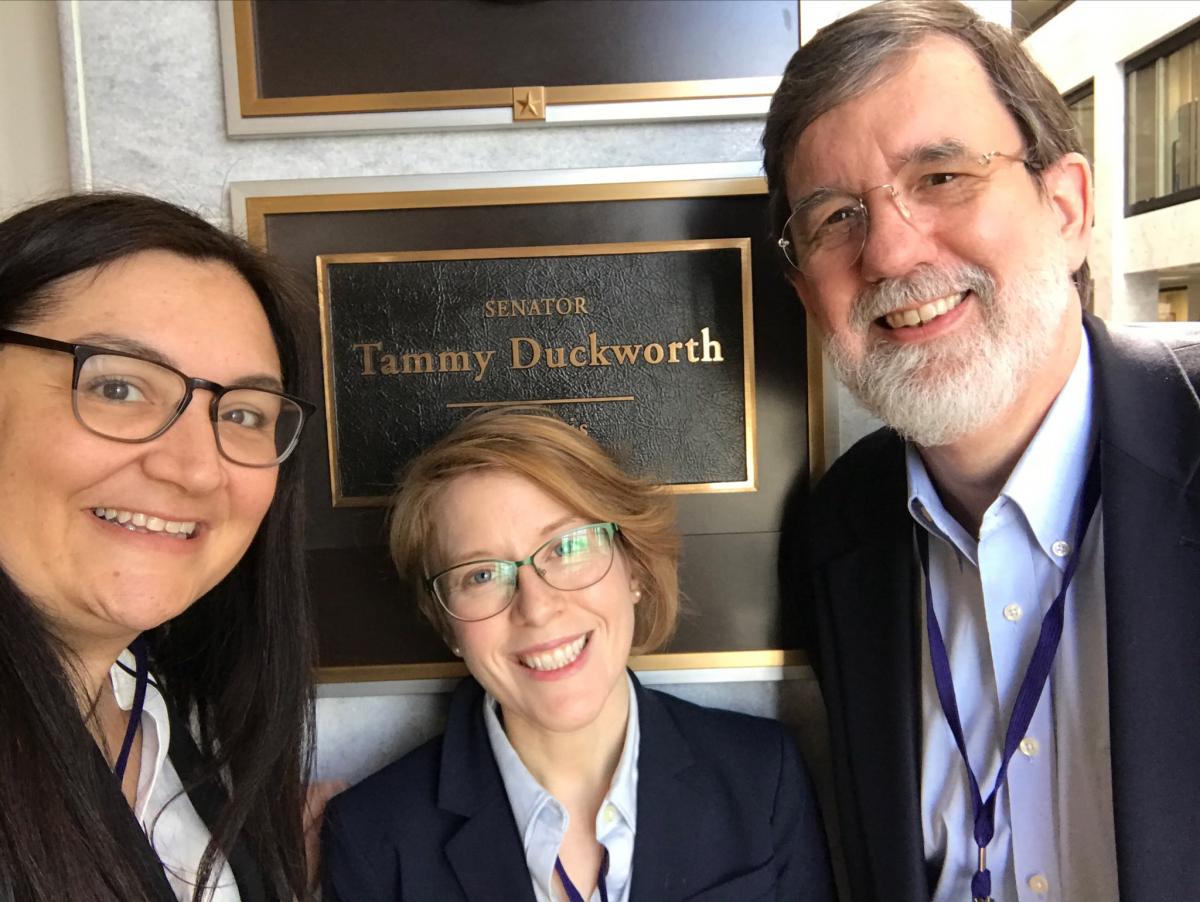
924	313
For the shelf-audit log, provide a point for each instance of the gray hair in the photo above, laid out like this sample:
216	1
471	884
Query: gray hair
853	55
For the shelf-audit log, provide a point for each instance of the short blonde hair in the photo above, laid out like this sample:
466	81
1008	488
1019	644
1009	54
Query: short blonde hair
573	469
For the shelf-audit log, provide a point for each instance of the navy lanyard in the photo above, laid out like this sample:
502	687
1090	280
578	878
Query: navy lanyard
141	679
1031	686
573	894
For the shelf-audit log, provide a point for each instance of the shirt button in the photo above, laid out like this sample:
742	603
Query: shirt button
1029	748
1012	612
1039	884
610	814
1061	548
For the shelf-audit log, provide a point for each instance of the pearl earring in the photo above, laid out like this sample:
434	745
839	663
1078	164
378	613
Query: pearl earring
637	595
456	651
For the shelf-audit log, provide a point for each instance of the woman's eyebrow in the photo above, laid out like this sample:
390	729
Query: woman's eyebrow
552	529
132	346
112	342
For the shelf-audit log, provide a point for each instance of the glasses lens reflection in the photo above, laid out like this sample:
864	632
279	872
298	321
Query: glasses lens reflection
827	232
257	427
132	399
126	397
481	589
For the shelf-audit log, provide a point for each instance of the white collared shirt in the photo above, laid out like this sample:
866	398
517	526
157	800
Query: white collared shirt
542	820
1054	836
176	832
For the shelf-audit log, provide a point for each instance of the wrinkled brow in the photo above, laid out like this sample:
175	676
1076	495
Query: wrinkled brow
935	151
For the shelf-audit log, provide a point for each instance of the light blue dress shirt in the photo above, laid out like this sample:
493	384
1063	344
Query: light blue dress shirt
1054	820
542	820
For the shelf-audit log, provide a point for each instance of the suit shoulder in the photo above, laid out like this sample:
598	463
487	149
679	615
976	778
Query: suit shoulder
722	735
400	791
856	472
1153	346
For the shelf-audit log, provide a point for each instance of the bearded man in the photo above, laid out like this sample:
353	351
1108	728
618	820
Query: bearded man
1002	587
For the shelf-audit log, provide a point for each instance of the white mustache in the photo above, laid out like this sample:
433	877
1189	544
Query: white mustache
891	295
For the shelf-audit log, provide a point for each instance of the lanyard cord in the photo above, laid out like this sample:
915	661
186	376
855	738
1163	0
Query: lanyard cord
141	679
1031	688
573	894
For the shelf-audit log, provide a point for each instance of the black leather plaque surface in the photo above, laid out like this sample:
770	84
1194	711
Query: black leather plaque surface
642	346
367	617
323	47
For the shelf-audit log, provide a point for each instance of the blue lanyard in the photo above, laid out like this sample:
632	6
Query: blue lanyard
141	679
573	894
1031	686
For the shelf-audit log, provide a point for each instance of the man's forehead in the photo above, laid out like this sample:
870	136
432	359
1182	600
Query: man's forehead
935	94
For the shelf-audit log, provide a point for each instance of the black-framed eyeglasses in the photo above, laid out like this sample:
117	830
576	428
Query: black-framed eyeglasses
477	590
127	398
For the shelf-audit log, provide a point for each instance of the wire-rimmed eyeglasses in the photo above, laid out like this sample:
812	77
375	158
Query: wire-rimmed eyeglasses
127	398
827	229
477	590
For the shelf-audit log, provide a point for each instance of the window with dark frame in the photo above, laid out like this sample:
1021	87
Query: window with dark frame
1162	124
1082	104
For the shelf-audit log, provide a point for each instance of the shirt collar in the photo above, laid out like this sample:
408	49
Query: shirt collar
527	797
1047	480
156	729
623	792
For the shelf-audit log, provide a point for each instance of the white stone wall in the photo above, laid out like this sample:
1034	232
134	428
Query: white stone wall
1091	40
146	113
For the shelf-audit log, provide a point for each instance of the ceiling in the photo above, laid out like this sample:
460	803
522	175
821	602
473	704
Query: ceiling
1026	12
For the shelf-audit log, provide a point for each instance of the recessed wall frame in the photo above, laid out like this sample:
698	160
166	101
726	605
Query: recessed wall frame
736	622
337	70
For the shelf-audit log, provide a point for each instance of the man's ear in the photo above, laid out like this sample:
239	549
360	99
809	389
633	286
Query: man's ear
1068	184
799	284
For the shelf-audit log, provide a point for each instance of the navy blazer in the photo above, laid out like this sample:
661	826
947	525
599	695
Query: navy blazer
725	813
848	560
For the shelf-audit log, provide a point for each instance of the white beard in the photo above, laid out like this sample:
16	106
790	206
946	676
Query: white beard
937	392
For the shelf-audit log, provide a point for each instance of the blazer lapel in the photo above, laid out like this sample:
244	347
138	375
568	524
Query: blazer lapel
487	856
666	799
486	853
1150	455
872	692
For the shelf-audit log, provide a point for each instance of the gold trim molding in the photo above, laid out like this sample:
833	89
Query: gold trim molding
667	661
259	208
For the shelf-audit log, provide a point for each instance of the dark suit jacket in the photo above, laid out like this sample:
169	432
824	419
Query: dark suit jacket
725	813
849	560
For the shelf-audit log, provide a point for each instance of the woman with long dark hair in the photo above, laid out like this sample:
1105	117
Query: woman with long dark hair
155	642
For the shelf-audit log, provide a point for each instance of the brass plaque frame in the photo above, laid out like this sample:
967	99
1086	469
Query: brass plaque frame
252	105
742	245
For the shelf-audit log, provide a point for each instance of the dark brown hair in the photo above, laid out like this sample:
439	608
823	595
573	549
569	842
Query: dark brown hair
852	55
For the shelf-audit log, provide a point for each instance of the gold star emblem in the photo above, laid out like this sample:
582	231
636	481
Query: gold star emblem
529	103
